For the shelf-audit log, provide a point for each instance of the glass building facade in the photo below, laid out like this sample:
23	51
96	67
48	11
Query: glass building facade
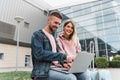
99	22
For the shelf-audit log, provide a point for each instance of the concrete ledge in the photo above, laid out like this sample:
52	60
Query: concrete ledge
115	72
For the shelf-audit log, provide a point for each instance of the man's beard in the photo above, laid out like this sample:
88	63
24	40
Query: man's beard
50	27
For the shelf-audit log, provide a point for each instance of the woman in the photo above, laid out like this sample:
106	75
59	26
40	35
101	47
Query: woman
69	44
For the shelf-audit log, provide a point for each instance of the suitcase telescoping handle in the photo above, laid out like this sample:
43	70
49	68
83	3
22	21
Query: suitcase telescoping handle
92	52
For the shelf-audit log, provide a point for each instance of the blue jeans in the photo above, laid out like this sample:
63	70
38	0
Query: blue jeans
54	75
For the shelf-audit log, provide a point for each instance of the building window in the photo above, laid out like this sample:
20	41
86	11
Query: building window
26	24
1	56
27	60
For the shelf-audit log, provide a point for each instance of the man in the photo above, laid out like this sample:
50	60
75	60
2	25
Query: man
44	52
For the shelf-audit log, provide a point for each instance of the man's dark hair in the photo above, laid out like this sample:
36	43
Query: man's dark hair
56	14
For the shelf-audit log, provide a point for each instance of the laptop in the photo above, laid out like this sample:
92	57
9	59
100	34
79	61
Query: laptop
80	64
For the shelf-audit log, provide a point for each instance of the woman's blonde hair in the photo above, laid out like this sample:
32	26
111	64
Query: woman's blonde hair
73	35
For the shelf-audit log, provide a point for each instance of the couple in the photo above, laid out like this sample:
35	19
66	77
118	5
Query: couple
45	51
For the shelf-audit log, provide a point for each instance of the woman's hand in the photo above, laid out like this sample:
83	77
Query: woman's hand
67	65
74	57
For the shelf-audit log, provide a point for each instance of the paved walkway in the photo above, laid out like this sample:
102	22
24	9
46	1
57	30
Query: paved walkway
115	72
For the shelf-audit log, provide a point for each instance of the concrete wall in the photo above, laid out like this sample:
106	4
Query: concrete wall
32	15
36	19
9	57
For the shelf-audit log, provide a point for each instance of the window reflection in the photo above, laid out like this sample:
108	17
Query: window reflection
99	21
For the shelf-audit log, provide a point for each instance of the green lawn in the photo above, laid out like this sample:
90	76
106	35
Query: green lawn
19	75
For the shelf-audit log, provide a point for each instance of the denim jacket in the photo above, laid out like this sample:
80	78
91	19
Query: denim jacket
42	55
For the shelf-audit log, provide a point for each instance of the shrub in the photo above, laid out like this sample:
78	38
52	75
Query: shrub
116	58
101	62
114	64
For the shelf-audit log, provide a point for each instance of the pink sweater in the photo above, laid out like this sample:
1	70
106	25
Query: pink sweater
68	48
